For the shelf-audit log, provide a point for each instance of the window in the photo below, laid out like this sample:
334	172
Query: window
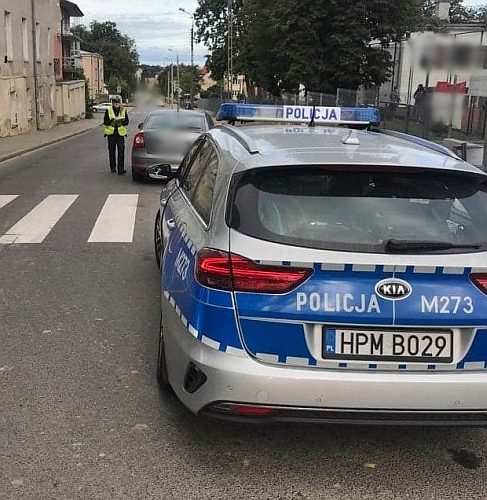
38	42
41	100
203	195
29	104
25	40
209	121
353	210
53	99
199	182
14	121
49	46
9	50
189	157
196	169
176	121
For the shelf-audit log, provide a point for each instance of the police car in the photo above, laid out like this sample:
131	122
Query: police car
325	273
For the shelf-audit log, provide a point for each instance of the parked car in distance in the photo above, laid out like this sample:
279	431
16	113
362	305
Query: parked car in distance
101	108
164	138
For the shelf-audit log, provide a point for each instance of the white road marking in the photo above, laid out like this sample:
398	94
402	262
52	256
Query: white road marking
116	221
5	199
38	223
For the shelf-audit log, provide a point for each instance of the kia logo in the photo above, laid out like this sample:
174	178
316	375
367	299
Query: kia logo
393	289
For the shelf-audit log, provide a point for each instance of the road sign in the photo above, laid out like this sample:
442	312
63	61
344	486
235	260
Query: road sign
478	86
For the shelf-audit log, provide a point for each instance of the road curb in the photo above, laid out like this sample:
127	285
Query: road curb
31	149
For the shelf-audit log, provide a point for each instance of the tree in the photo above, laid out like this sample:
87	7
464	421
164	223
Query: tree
189	79
321	44
118	50
461	14
214	91
212	28
150	71
114	83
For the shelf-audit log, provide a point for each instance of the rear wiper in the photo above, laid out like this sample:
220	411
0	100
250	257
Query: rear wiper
399	246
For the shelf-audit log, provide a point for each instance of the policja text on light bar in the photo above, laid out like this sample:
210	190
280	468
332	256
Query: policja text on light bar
233	112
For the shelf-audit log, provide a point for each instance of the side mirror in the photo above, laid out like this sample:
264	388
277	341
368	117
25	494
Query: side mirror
161	172
140	126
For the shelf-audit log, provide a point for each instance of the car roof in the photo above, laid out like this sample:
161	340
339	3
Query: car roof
272	145
164	111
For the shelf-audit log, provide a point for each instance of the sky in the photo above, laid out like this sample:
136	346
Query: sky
156	26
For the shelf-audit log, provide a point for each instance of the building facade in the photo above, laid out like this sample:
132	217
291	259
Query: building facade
72	65
235	86
451	63
40	66
28	31
93	69
70	87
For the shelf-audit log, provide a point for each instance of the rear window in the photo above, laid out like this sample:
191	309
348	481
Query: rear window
357	210
176	121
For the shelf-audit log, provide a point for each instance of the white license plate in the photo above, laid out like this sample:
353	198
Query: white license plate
388	345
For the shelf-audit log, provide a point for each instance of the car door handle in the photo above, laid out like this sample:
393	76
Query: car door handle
170	224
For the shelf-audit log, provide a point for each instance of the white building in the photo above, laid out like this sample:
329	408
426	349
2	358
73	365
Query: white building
454	57
27	70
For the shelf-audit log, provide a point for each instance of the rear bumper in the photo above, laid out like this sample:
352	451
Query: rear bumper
141	164
317	394
277	414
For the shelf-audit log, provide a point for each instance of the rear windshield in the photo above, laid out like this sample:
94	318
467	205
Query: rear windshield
176	121
360	210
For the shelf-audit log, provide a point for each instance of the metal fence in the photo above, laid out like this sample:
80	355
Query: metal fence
469	125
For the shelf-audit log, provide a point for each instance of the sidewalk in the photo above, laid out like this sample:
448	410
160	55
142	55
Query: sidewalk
10	147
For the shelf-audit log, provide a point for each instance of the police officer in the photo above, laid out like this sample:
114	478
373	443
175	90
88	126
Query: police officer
116	121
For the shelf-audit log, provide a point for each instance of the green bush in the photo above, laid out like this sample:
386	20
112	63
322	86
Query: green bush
89	103
439	128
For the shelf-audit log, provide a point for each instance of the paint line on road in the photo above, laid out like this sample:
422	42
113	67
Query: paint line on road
5	199
116	221
38	223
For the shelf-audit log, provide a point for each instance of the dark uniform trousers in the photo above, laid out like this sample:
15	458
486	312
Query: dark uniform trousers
116	143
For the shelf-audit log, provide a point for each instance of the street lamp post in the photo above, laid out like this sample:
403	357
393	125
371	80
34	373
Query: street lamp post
177	76
192	33
192	46
230	48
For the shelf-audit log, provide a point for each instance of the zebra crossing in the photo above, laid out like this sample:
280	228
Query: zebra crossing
115	222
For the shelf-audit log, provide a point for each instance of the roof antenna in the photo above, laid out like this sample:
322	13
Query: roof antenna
312	122
352	138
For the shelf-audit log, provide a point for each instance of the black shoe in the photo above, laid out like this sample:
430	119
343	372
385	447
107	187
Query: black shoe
112	170
123	172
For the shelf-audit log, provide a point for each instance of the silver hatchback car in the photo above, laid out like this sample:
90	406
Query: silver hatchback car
164	137
326	274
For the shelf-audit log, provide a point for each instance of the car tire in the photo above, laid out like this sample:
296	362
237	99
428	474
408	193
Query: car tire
162	375
158	243
137	177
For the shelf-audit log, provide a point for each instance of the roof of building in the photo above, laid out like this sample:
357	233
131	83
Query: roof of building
71	8
93	54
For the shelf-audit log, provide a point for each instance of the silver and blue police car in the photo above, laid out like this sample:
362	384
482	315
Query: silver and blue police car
323	273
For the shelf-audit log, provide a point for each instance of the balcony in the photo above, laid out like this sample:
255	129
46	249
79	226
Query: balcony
72	63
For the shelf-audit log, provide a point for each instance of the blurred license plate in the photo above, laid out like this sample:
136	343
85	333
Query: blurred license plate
388	345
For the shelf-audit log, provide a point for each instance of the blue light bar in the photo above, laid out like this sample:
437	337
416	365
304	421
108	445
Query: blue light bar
298	114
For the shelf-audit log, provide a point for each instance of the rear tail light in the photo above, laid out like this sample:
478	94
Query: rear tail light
224	271
480	281
139	141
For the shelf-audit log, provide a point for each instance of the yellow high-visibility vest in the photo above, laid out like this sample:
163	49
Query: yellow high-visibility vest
110	129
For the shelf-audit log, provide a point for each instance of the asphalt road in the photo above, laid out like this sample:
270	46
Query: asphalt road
81	415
